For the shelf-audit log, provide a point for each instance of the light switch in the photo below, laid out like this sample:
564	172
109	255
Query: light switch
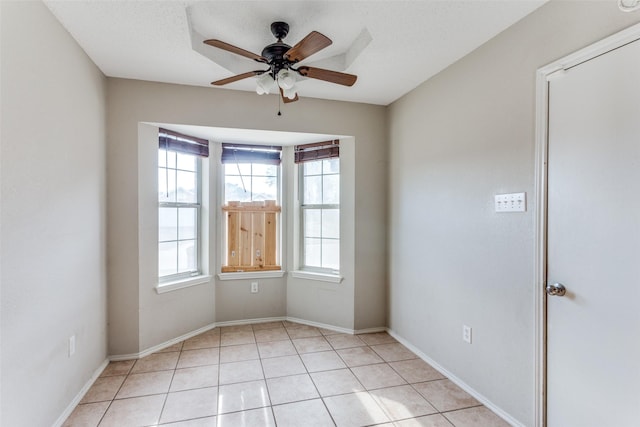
513	202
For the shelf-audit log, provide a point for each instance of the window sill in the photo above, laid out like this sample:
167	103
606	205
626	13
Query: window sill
322	277
251	275
181	284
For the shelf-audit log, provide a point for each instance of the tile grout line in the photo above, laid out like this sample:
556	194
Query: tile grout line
315	385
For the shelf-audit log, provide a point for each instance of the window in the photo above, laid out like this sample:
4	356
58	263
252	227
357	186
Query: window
319	170
251	172
251	206
179	205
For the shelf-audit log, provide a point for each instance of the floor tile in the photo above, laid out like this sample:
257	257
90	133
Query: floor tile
156	362
327	332
204	340
137	411
200	357
88	415
262	417
355	410
118	368
200	422
311	345
282	366
336	382
291	389
377	376
322	361
244	375
236	328
478	416
242	396
393	352
266	335
402	402
344	341
289	324
104	388
416	371
185	405
436	420
145	384
445	395
359	356
303	331
266	325
377	338
196	377
240	371
238	353
237	338
308	413
276	349
175	347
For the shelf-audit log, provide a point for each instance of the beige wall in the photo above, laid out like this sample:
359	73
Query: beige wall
52	216
139	318
456	141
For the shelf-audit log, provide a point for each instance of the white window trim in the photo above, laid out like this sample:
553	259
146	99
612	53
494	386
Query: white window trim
221	259
304	271
162	288
312	275
198	205
240	275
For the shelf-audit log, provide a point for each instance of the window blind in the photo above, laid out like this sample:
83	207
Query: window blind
316	151
174	141
241	153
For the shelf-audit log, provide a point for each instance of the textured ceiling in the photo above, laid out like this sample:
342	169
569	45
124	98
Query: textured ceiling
392	46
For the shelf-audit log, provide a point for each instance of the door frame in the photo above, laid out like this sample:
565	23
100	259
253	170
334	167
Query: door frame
544	75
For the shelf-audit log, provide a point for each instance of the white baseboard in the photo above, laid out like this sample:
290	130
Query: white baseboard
370	330
249	321
457	381
72	405
320	325
161	346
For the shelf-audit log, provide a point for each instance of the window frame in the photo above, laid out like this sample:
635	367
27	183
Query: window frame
323	206
280	176
180	276
278	182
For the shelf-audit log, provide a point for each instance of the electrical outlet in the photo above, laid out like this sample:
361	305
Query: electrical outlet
72	345
254	287
466	334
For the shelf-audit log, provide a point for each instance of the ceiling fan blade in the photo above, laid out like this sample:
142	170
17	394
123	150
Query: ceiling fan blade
235	49
306	47
236	78
287	100
328	75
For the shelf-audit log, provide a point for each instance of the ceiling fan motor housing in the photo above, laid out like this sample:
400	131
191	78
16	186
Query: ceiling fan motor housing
275	55
275	51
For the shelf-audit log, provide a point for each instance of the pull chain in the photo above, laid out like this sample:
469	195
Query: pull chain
279	100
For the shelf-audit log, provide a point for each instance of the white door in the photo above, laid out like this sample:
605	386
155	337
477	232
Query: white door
593	243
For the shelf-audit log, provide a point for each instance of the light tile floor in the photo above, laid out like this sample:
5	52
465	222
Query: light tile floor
279	374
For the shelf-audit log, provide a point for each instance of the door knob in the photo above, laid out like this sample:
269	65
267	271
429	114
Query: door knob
556	289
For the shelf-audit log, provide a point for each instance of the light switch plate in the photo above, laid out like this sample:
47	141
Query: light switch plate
513	202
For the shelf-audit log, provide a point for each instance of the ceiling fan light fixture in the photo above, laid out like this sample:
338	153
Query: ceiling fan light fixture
265	84
290	93
286	79
629	5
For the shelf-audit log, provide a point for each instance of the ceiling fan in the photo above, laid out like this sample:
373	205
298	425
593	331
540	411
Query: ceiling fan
282	60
